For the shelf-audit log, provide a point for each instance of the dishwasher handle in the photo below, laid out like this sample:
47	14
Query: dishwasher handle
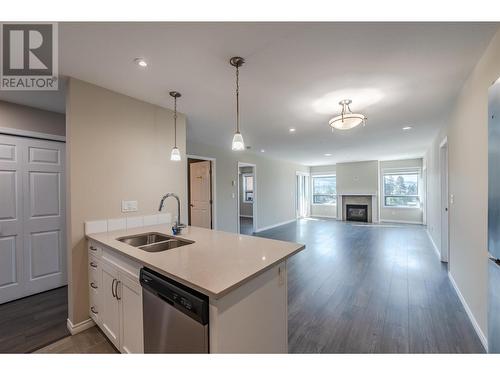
166	299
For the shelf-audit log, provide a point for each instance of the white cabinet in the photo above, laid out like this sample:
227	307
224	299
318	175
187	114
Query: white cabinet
116	298
110	309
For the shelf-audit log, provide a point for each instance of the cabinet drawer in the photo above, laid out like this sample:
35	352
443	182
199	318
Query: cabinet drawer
94	270
94	304
94	249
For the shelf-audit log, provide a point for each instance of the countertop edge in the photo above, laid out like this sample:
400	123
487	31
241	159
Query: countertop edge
210	294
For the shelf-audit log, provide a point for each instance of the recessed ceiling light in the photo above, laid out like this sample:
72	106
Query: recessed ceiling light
407	128
291	130
328	154
141	62
262	150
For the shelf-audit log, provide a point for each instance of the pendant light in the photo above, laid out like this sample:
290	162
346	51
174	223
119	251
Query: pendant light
238	144
347	120
175	155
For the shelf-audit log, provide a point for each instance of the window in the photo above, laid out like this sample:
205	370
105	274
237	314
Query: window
324	189
248	188
401	189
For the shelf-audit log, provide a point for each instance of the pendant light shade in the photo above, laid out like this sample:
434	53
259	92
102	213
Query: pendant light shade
347	120
175	155
238	144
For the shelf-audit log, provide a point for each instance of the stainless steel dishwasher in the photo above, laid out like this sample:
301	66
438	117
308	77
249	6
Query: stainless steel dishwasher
175	316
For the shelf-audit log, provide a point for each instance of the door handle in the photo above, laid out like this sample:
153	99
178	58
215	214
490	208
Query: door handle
113	288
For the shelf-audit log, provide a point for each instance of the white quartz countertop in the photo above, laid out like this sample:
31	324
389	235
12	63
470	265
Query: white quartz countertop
216	263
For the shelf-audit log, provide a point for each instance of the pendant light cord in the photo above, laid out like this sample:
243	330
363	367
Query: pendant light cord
237	99
175	122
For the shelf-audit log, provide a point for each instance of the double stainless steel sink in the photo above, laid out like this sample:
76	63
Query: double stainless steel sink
154	242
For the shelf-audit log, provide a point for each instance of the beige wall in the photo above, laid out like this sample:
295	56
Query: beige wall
118	149
357	178
275	182
323	210
21	117
468	182
401	214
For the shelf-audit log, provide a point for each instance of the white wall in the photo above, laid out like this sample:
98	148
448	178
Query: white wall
401	214
468	182
357	178
323	210
275	186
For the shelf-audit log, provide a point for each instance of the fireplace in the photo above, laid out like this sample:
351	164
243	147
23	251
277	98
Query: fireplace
357	212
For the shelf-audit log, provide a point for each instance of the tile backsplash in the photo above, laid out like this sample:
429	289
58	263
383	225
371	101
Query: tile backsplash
109	225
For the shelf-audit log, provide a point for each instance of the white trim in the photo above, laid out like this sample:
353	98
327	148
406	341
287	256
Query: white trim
325	216
275	225
214	185
473	320
401	221
251	217
30	134
436	249
79	327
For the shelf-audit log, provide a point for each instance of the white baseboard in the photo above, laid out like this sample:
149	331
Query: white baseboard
79	327
473	320
275	225
327	216
401	221
436	249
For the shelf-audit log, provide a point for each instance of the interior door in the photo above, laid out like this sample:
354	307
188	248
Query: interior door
44	216
200	194
11	228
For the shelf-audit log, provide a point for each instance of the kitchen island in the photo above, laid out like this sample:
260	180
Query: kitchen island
244	278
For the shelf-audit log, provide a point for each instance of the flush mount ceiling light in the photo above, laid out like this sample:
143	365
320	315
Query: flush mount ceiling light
238	144
175	155
347	120
141	62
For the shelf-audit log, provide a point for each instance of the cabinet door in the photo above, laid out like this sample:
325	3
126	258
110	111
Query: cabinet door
130	296
110	307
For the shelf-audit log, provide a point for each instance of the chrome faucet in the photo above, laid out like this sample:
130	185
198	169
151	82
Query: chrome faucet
177	223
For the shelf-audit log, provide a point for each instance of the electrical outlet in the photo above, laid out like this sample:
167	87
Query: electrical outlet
130	206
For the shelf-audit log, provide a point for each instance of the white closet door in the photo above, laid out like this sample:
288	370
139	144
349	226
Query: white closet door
11	212
44	216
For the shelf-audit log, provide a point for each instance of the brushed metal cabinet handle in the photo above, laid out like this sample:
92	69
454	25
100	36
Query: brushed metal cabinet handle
94	310
93	265
93	285
116	290
113	288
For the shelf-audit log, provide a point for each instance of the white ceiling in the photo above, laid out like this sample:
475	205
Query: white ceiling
396	74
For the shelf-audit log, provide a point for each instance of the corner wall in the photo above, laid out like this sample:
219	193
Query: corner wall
118	148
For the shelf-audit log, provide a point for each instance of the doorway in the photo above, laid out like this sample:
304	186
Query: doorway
302	199
247	198
200	192
443	164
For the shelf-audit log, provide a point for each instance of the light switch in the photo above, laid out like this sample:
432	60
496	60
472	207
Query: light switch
130	206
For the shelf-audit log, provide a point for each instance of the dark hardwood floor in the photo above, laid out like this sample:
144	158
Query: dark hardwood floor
371	289
33	322
246	225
